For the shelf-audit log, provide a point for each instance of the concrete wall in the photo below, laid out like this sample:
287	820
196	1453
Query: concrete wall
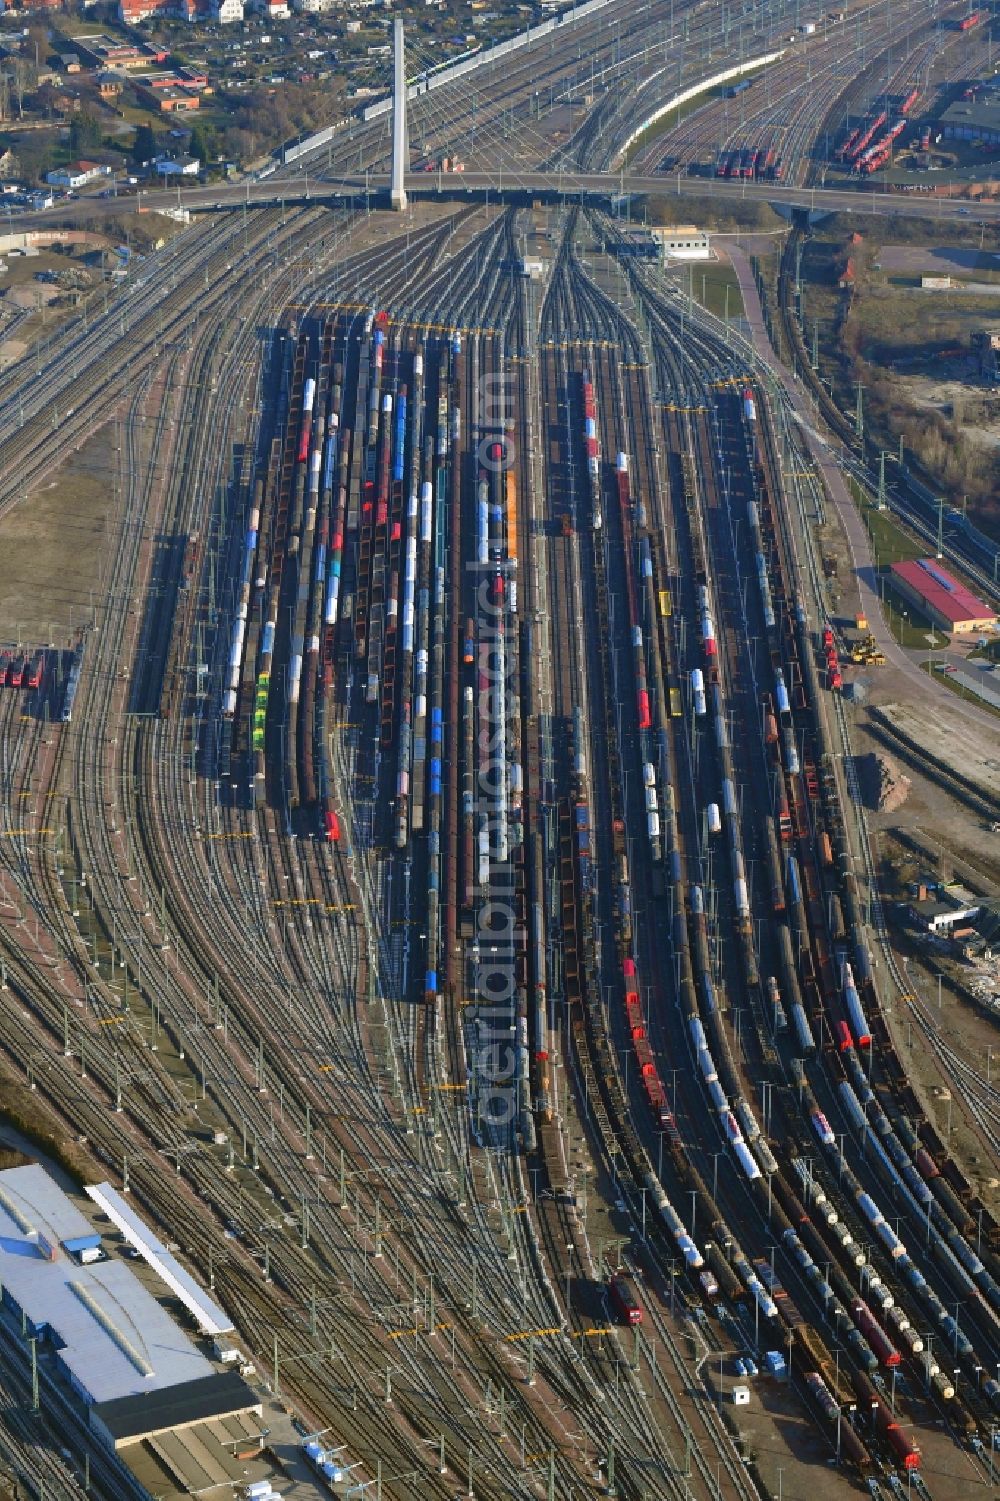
462	66
40	239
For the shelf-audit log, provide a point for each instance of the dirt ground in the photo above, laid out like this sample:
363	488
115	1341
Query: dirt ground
945	829
843	598
53	542
955	389
24	302
32	309
940	260
918	343
973	752
51	547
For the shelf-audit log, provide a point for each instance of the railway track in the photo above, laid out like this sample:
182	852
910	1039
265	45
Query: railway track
682	382
386	1238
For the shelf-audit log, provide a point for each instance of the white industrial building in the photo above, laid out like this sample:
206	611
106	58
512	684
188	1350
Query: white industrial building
683	242
942	916
182	166
97	1327
76	175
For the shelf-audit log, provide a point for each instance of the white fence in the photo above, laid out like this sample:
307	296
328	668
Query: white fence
694	91
435	80
467	64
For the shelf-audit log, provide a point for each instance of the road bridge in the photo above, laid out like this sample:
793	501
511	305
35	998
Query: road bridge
598	188
603	187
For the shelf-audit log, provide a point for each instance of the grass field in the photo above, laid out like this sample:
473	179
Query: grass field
889	542
960	690
907	626
715	287
669	123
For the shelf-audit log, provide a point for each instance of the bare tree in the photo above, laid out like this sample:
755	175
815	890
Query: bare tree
21	81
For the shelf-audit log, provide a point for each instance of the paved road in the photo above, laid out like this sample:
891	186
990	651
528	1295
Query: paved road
295	185
921	687
601	184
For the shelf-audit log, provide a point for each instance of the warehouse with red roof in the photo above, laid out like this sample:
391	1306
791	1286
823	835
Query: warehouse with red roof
938	594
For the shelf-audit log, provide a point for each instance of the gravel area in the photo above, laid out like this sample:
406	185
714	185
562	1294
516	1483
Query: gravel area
974	754
51	547
942	260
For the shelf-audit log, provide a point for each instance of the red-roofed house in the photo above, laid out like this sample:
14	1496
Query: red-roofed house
939	595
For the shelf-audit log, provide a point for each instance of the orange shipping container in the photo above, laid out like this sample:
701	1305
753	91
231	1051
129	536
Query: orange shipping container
511	495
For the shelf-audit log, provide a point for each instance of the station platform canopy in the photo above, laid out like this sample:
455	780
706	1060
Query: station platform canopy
209	1317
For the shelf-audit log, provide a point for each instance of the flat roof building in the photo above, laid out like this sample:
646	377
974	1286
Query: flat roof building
170	100
976	119
76	174
939	916
941	597
683	242
132	1420
206	1313
674	242
101	51
38	1211
99	1328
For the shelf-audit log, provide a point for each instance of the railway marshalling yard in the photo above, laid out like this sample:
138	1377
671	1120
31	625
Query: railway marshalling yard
432	878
